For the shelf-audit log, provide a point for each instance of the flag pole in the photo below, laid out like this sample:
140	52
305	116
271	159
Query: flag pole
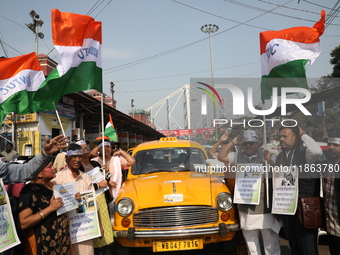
61	125
266	162
102	118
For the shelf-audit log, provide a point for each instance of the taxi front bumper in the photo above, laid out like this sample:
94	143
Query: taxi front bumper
131	234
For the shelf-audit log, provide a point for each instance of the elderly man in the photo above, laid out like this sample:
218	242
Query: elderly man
71	173
13	173
253	218
302	241
331	191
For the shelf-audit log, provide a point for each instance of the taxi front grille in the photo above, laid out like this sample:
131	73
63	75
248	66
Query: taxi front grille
177	216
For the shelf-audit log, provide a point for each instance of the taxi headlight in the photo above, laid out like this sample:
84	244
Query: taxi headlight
125	207
224	201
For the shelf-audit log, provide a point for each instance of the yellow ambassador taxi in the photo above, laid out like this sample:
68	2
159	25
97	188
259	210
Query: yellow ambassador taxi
169	202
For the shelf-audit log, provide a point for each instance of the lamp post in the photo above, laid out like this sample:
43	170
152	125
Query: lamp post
210	29
35	28
112	90
132	108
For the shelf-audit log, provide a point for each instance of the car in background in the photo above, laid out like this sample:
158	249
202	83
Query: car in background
170	202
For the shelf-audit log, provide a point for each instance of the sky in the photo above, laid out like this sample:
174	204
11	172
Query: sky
152	48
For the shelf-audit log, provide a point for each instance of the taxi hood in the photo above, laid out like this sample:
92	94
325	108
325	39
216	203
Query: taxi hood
169	189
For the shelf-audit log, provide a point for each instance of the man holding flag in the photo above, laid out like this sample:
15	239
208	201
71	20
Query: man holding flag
284	55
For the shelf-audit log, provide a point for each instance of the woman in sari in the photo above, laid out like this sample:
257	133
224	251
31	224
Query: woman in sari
100	243
45	232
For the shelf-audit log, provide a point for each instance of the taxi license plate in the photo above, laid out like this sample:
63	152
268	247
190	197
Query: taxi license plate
176	245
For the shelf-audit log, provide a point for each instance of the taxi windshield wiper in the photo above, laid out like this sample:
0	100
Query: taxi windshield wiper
160	170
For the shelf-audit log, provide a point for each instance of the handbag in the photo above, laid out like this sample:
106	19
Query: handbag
310	212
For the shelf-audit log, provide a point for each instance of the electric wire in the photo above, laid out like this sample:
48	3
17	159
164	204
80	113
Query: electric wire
218	16
183	74
103	9
88	13
295	9
97	6
319	5
121	67
3	45
333	13
264	10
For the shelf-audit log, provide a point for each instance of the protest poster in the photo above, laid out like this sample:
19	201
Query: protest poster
96	177
67	193
8	234
285	190
248	184
84	224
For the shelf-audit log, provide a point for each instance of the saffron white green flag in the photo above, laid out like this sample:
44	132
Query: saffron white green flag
110	131
285	53
20	78
78	39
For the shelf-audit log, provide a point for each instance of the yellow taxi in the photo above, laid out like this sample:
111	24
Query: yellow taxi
170	201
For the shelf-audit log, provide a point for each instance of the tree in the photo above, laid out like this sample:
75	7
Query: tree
332	105
335	61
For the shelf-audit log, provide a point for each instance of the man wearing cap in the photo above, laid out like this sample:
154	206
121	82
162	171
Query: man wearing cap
331	193
71	173
253	218
299	149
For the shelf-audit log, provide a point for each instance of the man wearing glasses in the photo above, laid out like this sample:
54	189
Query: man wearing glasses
253	218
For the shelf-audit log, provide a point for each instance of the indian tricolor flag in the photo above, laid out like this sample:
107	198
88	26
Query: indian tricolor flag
285	53
20	77
110	131
78	39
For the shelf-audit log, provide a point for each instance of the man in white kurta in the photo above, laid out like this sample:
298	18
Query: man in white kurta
254	219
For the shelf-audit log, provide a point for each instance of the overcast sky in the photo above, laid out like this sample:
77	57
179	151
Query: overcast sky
151	48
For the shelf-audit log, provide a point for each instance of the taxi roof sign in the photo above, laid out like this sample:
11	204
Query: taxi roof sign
168	139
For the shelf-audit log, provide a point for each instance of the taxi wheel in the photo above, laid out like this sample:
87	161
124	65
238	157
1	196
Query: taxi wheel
121	250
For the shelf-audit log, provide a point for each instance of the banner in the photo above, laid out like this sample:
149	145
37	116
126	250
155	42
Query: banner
248	184
285	190
97	176
84	220
8	233
67	193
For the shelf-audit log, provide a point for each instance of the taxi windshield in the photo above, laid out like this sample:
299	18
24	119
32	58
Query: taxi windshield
168	159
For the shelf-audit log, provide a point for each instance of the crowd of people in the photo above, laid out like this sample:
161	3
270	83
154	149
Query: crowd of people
43	230
296	149
46	232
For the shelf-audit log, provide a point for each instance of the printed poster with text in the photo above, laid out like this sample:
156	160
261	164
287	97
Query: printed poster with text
67	193
248	184
8	233
96	177
285	190
84	220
